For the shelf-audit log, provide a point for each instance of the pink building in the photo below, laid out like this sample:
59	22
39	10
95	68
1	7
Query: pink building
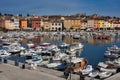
117	24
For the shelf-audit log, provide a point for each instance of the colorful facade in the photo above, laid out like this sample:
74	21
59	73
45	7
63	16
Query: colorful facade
72	23
36	23
96	25
117	24
46	25
56	26
23	24
76	23
101	23
83	24
8	24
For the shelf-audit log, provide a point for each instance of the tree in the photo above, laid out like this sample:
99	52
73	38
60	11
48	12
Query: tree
0	14
28	14
20	15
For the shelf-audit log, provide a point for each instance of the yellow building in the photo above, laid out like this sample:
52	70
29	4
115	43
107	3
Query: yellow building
101	23
111	25
72	23
67	24
23	24
46	25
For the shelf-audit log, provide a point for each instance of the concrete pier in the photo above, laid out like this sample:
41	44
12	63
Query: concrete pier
10	72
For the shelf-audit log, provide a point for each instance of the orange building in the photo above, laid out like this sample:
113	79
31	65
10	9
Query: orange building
23	24
72	23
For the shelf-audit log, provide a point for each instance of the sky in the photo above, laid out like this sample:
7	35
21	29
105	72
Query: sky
61	7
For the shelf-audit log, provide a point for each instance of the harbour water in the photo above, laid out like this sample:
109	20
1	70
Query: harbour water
93	50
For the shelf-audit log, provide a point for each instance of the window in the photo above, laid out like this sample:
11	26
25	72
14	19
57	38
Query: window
59	24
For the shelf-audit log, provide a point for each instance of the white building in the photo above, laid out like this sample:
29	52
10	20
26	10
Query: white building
90	24
16	23
106	24
56	26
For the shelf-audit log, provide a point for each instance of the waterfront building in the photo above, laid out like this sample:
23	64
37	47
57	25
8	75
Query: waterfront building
107	25
67	24
1	23
116	24
15	23
83	24
36	23
23	24
111	25
46	25
8	24
90	23
101	24
96	25
72	24
56	26
76	23
29	23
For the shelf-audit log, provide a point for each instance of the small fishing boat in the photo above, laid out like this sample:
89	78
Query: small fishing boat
77	64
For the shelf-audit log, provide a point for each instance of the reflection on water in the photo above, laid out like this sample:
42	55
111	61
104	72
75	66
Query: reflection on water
93	49
70	40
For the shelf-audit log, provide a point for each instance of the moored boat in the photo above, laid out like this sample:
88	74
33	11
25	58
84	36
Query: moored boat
4	53
94	74
77	64
87	70
104	74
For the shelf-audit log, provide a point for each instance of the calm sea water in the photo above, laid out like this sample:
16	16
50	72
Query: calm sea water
93	50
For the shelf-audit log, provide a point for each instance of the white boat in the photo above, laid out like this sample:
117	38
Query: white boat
4	53
111	55
102	64
59	56
30	45
76	46
76	36
64	45
114	49
35	59
53	65
87	70
105	74
94	74
108	70
26	53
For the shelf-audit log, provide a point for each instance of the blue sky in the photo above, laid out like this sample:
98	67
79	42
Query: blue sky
61	7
